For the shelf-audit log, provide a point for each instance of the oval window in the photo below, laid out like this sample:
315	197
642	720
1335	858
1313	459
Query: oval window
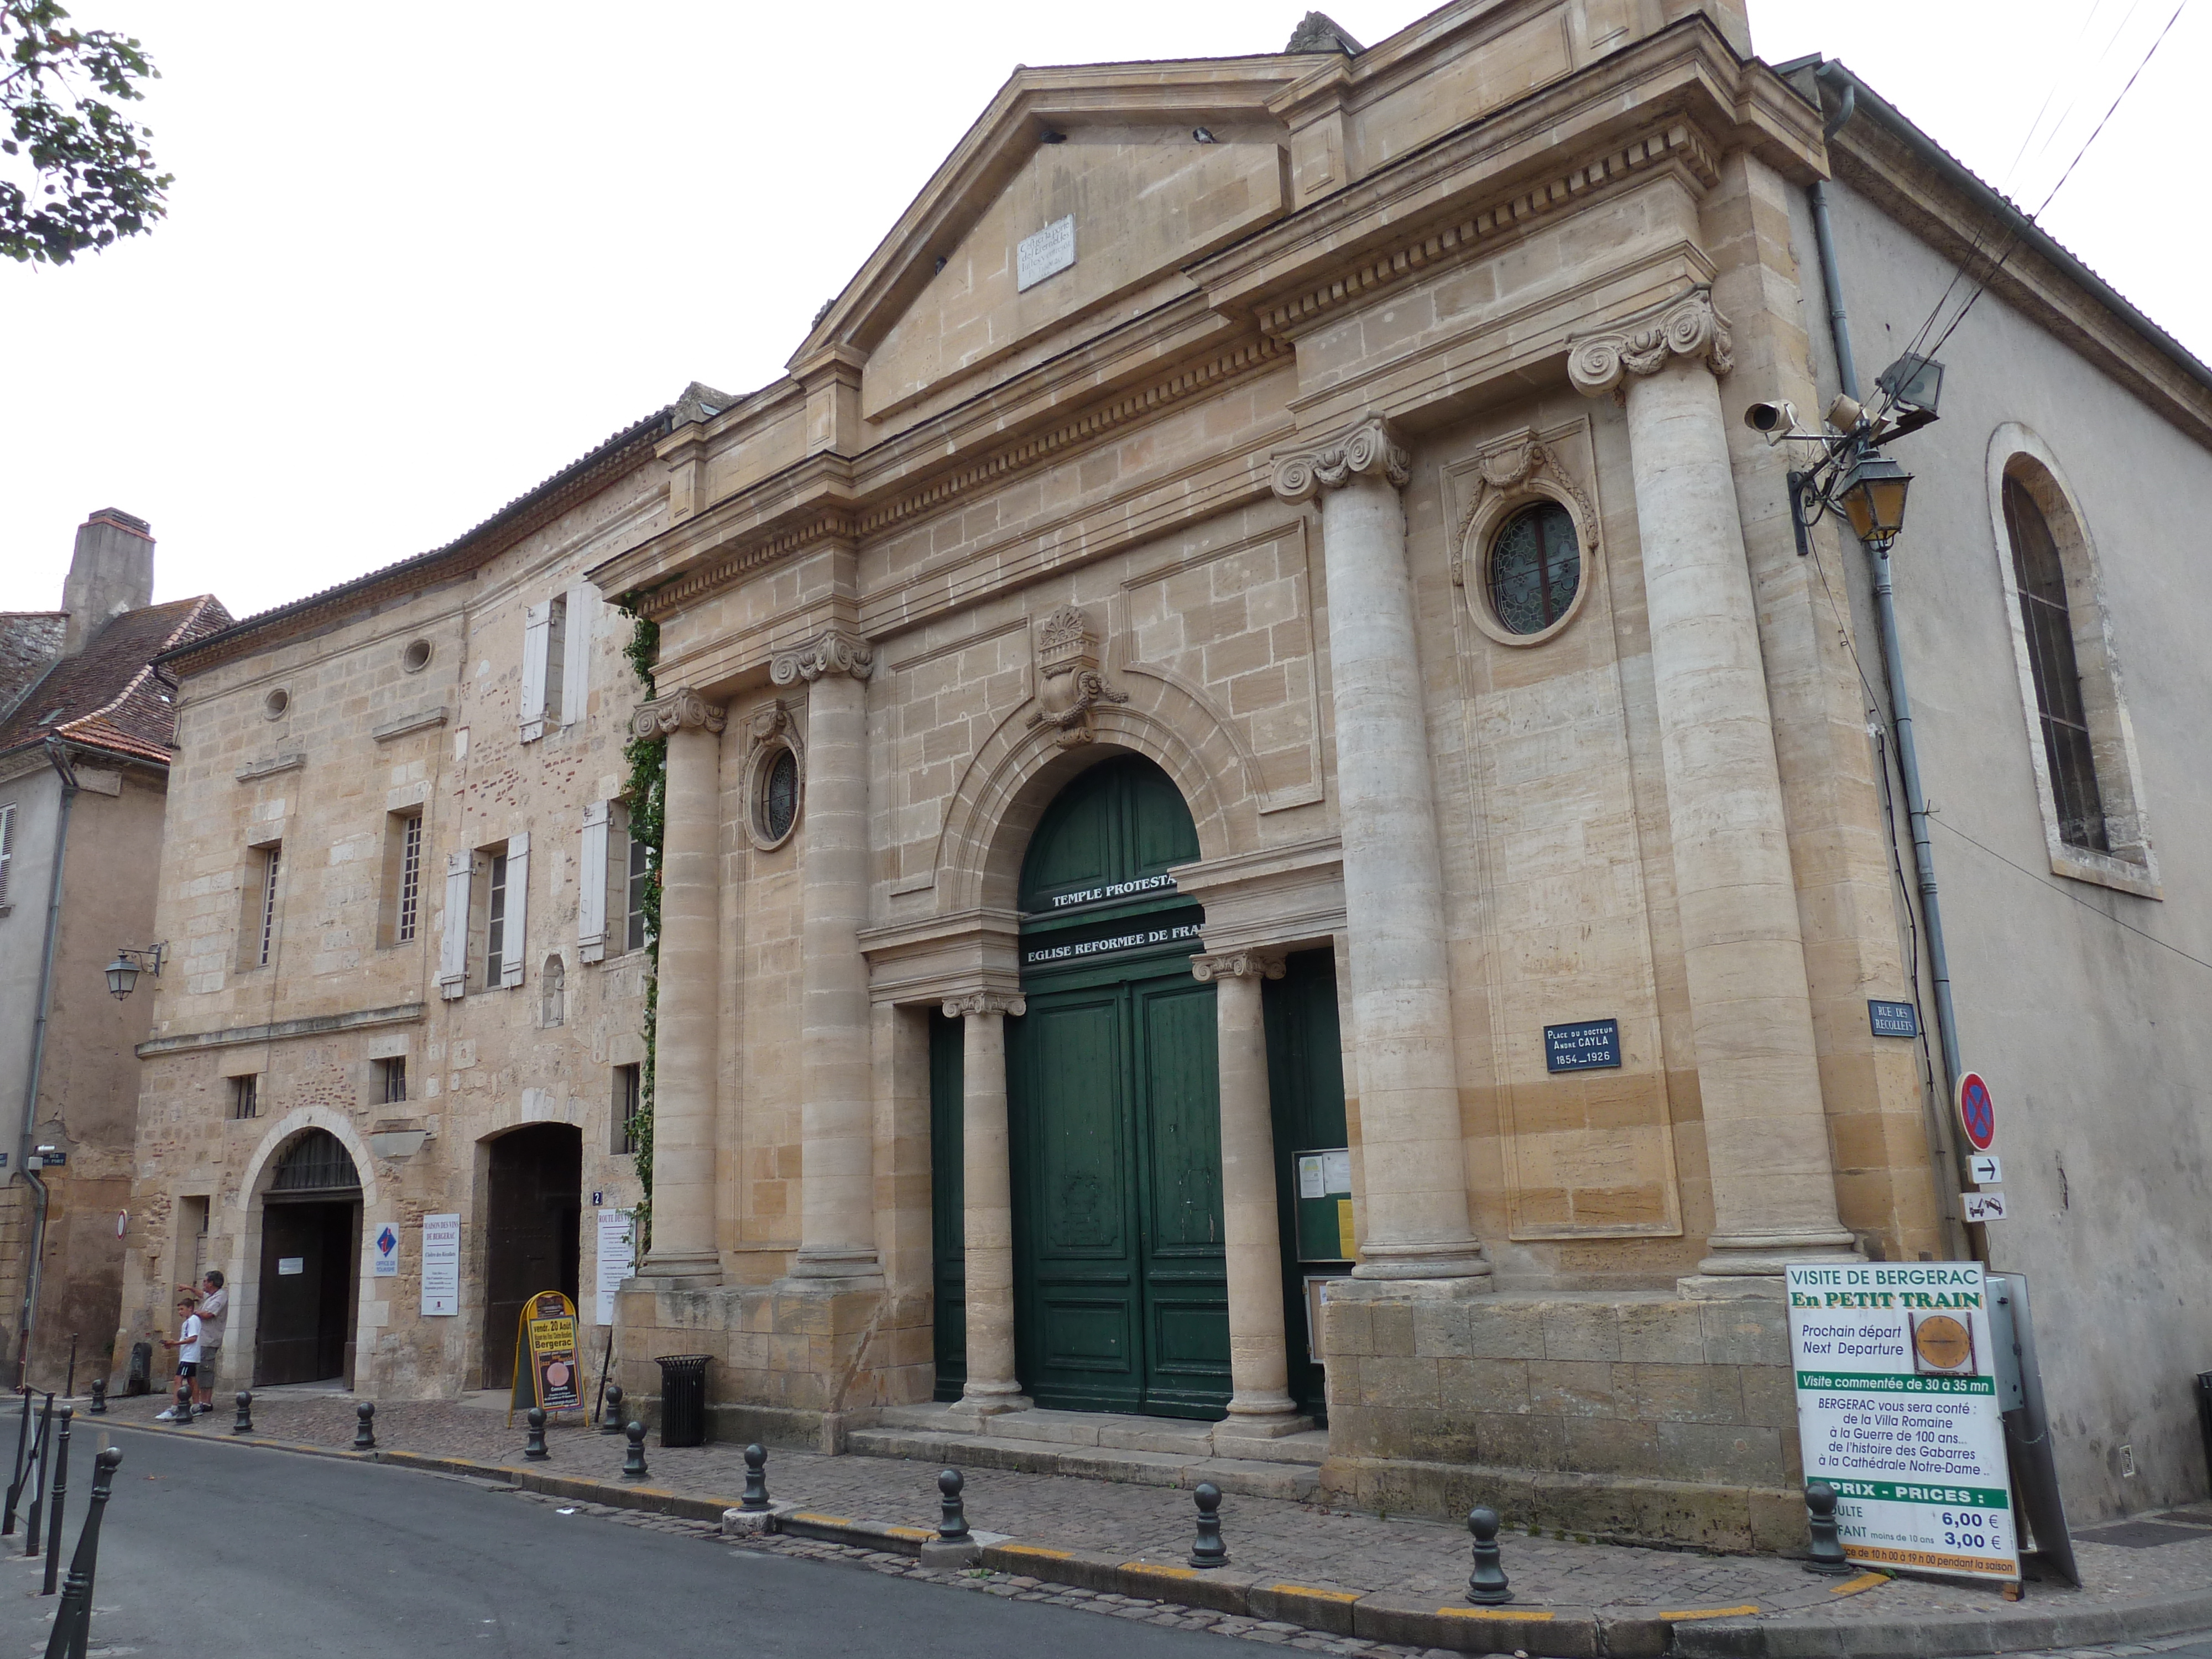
779	795
1535	565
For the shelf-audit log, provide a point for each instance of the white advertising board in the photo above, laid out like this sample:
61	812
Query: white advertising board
1897	1409
442	1264
617	1262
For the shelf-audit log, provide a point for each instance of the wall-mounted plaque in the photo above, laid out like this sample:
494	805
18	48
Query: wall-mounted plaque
1048	252
1893	1018
1589	1045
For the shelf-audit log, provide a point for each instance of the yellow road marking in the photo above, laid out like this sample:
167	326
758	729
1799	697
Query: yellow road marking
1325	1595
1865	1581
1744	1611
1491	1612
1038	1549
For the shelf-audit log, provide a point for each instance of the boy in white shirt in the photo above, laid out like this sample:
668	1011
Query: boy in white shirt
187	1345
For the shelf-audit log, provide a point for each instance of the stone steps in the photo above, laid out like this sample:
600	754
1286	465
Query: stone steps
1146	1451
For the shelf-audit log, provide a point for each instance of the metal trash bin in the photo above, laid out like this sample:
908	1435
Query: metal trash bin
683	1399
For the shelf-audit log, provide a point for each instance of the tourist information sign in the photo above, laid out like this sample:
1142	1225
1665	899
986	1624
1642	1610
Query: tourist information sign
1898	1410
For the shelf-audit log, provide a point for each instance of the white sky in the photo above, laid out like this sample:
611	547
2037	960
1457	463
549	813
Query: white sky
409	271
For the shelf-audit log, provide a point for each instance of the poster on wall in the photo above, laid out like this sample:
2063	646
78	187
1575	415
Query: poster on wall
441	1264
617	1262
1898	1410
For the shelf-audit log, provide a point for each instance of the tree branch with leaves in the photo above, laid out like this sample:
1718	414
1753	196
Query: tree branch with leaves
79	174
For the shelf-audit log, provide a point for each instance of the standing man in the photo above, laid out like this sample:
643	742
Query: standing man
187	1342
214	1312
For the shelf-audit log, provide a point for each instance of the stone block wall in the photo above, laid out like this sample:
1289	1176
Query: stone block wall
1622	1415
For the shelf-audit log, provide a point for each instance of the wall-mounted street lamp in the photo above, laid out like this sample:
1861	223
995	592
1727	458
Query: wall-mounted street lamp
1852	477
122	972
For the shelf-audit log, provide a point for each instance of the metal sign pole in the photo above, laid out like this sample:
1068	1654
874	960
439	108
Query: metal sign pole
2027	1429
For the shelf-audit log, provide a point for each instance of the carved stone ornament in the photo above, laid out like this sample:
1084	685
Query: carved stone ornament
986	1002
1237	964
835	652
673	713
1370	445
771	732
1070	682
1687	326
1521	465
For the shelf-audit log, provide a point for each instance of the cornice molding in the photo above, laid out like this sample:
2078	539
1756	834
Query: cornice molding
1678	144
678	711
1687	326
313	1025
1369	447
834	651
833	526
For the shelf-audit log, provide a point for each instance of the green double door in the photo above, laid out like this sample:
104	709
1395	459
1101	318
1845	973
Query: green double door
1115	1120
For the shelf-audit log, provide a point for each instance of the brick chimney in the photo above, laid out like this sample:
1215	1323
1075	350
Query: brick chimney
112	572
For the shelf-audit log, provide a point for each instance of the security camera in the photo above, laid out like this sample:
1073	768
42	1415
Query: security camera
1773	421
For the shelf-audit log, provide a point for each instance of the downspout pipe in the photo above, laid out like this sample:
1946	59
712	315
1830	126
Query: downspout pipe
1885	602
34	1261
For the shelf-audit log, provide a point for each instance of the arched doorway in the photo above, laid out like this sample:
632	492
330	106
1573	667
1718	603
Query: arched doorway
533	1211
1114	1110
310	1265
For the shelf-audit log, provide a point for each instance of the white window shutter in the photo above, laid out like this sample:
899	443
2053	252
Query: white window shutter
576	653
516	946
537	636
591	885
454	945
8	848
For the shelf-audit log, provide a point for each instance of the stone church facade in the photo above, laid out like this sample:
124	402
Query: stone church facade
1271	850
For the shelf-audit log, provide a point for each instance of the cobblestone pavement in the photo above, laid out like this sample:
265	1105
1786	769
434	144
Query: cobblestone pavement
1309	1544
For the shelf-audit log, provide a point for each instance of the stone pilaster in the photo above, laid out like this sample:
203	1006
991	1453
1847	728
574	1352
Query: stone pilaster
1767	1138
987	1201
684	1247
1412	1146
837	1227
1259	1357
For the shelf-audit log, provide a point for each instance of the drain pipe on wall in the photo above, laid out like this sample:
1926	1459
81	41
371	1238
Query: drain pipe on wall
35	1258
1892	652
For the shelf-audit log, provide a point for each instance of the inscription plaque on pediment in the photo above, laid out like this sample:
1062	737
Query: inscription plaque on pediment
1049	252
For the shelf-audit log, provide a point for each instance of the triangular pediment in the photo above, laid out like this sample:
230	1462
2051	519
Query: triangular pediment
1077	197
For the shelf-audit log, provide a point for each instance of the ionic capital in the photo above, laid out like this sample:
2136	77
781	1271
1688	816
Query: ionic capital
1369	447
986	1002
835	652
674	713
1687	326
1237	964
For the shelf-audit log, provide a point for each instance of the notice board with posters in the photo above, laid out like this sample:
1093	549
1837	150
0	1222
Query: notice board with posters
547	1371
1898	1410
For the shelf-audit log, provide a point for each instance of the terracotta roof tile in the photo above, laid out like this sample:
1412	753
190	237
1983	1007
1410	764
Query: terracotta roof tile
109	695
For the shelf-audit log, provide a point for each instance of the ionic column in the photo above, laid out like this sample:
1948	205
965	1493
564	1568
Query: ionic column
683	1243
837	1219
986	1188
1409	1125
1259	1355
1751	1013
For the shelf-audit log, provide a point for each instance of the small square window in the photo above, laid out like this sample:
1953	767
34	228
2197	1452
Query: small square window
245	1096
392	1080
629	1099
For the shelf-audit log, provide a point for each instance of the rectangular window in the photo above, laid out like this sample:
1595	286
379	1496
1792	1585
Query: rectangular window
409	919
556	661
261	917
7	850
495	922
629	1097
392	1080
641	871
2068	749
245	1096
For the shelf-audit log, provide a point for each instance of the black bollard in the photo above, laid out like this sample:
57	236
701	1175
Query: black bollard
364	1434
533	1443
15	1486
1208	1550
245	1422
1821	1518
633	1467
1486	1585
72	1631
69	1387
184	1418
99	1407
44	1451
952	1517
610	1419
61	1503
756	1498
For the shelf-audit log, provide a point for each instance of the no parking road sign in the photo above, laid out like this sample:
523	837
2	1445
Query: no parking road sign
1977	1112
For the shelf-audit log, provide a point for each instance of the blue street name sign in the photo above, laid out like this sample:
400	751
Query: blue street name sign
1893	1018
1587	1046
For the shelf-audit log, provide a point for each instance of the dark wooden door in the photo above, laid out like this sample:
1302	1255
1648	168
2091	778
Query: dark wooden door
307	1261
948	1222
533	1232
1305	1086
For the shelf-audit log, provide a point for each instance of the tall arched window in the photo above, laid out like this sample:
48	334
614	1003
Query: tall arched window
2049	622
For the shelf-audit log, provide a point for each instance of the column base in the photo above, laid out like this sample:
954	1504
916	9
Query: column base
836	1264
1460	1259
671	1270
1740	1255
990	1400
1262	1417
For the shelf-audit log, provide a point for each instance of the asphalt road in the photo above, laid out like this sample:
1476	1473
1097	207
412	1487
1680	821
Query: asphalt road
234	1552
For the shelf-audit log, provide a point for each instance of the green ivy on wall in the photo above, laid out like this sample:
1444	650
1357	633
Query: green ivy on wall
646	796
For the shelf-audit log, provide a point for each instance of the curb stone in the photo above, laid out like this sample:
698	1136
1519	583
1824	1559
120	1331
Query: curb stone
1394	1616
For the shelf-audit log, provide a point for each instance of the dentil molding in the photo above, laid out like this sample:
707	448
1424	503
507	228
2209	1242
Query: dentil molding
834	651
1368	447
1687	326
